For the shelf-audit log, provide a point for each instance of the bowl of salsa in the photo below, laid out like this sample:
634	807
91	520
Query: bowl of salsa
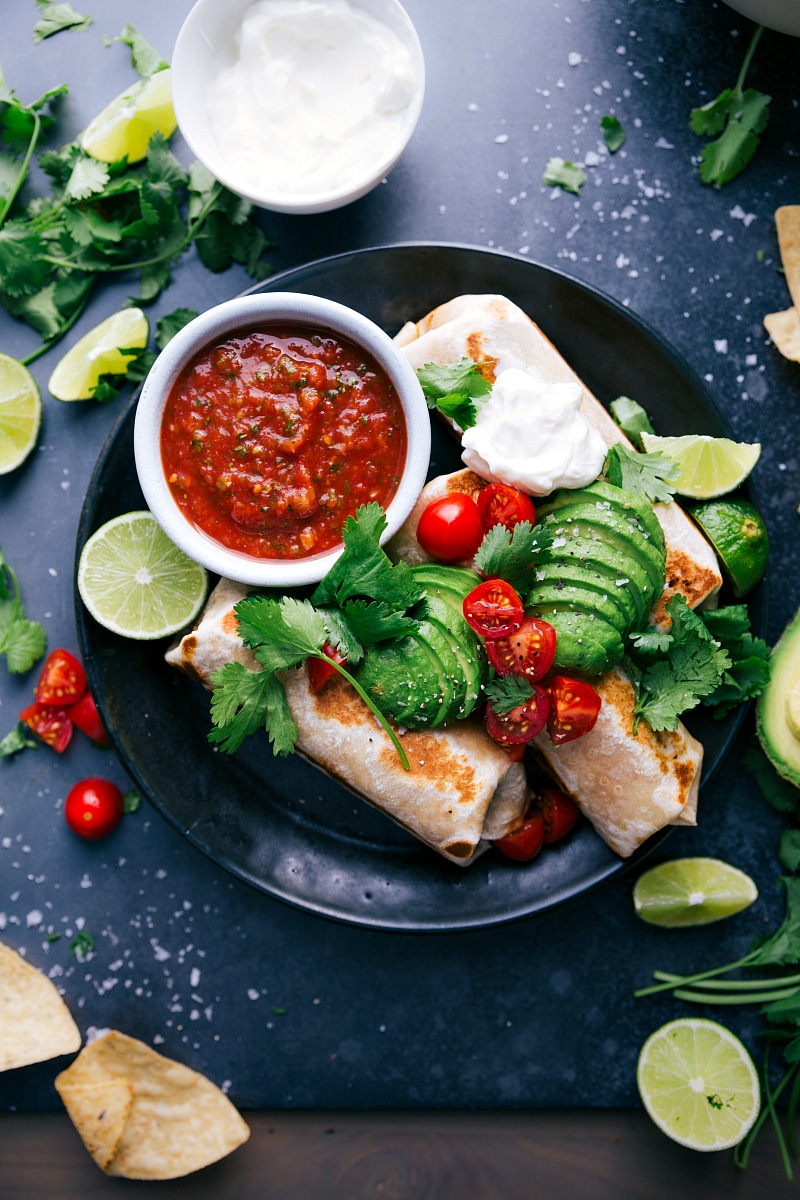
265	423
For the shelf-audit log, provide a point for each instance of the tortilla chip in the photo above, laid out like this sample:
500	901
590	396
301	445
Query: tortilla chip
35	1023
177	1122
784	329
787	220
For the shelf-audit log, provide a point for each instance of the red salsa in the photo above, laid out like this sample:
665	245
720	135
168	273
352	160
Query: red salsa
270	439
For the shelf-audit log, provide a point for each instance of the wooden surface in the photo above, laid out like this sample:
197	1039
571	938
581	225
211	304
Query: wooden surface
589	1155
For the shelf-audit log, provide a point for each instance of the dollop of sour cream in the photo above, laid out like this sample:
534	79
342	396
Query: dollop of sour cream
531	434
317	98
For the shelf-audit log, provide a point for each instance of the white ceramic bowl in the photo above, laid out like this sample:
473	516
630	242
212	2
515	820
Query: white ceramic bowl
264	310
783	15
207	45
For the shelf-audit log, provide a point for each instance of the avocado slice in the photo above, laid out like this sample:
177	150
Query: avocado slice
627	574
593	578
778	706
626	541
583	644
600	492
571	595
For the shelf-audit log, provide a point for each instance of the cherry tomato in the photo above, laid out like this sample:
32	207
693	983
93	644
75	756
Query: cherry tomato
522	723
50	724
84	714
529	651
524	843
500	504
515	751
574	707
450	529
94	807
62	681
320	672
493	609
559	813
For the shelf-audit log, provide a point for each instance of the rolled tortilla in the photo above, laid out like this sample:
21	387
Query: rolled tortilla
462	790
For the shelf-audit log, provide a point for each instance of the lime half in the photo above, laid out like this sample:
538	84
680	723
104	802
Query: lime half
737	532
98	353
692	891
125	126
20	413
135	582
698	1083
709	466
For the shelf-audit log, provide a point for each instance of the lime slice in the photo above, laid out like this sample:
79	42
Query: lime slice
737	532
135	582
692	891
709	466
125	126
20	413
698	1083
98	353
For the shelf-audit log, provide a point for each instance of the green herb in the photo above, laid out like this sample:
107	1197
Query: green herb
17	739
365	570
131	801
739	117
22	641
277	1011
789	849
779	793
56	17
507	692
749	671
144	58
82	944
53	937
631	418
613	133
562	173
512	554
453	388
647	475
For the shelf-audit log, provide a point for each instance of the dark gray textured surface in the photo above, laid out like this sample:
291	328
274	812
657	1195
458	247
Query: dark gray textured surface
535	1014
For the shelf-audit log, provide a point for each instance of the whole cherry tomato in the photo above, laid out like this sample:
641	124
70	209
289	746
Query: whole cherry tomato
528	651
84	714
522	723
493	609
62	680
320	672
574	708
50	724
94	807
500	504
450	529
524	843
559	813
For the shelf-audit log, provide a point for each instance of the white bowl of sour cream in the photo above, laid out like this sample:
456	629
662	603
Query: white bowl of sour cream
300	106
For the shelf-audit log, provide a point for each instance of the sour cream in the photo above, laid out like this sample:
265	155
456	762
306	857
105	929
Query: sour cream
531	434
317	100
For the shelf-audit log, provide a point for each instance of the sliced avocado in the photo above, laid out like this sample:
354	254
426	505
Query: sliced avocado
459	579
406	680
600	492
594	578
583	644
779	704
468	652
626	541
627	574
573	596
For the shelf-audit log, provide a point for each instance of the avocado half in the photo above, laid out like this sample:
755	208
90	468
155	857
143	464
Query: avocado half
778	709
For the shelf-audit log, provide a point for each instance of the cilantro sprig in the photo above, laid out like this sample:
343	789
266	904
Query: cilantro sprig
512	554
648	475
453	389
21	640
738	116
507	692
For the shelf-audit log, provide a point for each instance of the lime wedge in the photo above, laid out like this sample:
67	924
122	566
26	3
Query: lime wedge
692	891
98	353
20	413
709	466
698	1083
737	532
135	582
125	126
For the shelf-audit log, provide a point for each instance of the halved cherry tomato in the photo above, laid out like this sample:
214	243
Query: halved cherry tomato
320	672
450	529
49	723
559	813
574	708
524	843
84	714
62	681
528	651
493	609
515	751
522	723
94	807
500	504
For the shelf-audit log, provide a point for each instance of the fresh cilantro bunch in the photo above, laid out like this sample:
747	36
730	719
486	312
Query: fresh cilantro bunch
738	116
512	554
362	601
453	389
21	640
647	475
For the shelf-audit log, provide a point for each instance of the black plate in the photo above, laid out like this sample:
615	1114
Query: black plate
281	824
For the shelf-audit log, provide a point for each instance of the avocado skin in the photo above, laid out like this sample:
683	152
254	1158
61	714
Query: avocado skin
778	741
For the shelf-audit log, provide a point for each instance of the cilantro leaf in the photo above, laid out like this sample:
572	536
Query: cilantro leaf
365	570
651	640
172	323
507	692
631	418
17	739
646	475
341	636
512	554
131	801
789	851
144	59
738	116
56	17
749	672
373	621
613	133
81	945
777	791
452	388
238	704
288	630
729	624
22	641
562	173
783	946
